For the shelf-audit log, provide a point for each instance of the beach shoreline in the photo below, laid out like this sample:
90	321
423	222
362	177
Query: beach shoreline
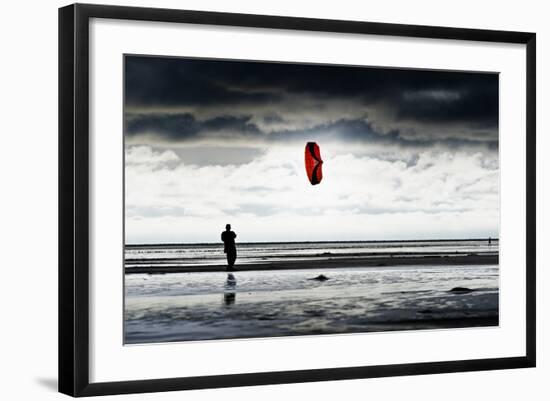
385	260
383	327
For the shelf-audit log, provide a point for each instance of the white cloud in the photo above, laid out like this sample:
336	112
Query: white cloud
362	196
146	155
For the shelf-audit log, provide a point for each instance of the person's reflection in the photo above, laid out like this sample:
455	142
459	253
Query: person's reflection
229	295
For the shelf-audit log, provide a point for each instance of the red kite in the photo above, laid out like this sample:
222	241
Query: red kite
313	163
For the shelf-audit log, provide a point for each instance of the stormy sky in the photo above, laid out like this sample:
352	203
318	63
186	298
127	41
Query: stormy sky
408	154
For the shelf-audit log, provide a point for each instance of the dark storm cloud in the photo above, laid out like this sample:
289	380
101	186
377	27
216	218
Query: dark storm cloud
178	82
360	130
415	99
185	128
273	119
477	106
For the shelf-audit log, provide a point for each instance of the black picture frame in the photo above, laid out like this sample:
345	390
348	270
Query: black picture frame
74	194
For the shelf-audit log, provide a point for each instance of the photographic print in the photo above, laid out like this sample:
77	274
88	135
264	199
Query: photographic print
268	199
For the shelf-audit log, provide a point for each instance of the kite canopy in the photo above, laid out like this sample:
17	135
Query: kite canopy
313	163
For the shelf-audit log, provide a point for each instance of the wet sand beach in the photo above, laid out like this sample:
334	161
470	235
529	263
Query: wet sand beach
163	266
270	303
183	292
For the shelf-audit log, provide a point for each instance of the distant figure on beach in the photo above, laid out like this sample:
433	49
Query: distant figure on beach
489	240
228	238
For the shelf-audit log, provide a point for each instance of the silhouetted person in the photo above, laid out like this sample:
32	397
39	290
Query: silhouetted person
228	238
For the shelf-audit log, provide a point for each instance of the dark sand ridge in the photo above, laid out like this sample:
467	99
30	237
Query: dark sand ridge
333	261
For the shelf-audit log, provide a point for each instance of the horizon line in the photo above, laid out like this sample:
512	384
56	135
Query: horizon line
314	242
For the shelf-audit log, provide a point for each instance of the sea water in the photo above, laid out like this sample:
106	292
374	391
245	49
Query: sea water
212	254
